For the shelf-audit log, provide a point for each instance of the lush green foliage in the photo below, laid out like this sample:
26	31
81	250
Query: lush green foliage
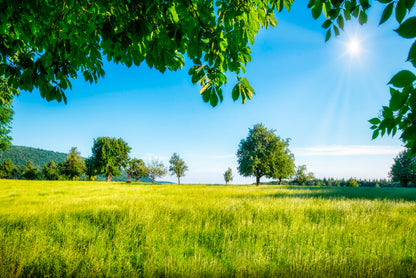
7	168
352	183
74	165
89	229
301	177
135	168
156	169
177	167
404	168
6	116
228	175
109	155
400	114
44	45
261	154
30	172
21	155
50	171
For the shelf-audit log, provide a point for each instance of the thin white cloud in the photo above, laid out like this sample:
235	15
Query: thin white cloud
347	150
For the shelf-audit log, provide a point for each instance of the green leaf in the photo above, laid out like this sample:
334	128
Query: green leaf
384	1
340	21
403	79
362	19
408	28
374	121
375	134
409	4
328	35
317	10
213	99
397	100
236	91
347	14
386	13
412	53
400	10
327	23
336	30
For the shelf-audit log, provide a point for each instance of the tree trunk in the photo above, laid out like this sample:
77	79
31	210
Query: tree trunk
280	181
257	180
73	178
179	179
108	178
128	179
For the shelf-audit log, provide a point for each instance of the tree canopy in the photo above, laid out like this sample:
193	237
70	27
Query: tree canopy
74	165
404	168
301	177
228	175
156	169
177	167
259	154
135	168
109	155
46	44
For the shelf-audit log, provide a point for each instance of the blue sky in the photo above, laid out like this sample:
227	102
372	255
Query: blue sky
318	94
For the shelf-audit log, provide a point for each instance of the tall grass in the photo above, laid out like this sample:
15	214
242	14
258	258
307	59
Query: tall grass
99	229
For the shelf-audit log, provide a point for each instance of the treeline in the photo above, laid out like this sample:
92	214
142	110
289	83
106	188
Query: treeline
110	159
342	182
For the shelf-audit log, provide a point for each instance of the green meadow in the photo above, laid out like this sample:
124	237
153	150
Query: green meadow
98	229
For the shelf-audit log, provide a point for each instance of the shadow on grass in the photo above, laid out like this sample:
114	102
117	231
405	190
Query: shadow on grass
362	193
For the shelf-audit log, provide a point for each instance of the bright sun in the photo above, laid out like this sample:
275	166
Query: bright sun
354	47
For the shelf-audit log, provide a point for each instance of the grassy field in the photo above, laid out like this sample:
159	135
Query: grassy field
93	229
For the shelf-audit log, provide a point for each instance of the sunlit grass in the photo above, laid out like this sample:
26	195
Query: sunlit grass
127	230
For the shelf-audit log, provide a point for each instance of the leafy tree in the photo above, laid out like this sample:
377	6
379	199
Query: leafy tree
404	168
7	168
228	175
352	183
258	155
6	115
74	165
46	44
156	169
90	170
177	167
51	171
109	155
301	177
30	172
285	163
135	168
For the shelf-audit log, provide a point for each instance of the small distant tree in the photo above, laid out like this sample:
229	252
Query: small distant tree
74	165
7	168
51	171
352	183
228	175
135	168
156	169
30	172
403	169
177	167
301	177
109	155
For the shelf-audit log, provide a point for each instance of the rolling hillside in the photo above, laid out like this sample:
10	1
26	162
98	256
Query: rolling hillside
20	155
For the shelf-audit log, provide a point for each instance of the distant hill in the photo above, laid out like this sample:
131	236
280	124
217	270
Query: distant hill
21	155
